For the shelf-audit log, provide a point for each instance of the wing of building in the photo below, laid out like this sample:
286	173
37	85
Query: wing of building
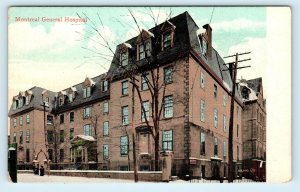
90	125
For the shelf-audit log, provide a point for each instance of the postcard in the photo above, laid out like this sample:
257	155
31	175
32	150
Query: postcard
149	94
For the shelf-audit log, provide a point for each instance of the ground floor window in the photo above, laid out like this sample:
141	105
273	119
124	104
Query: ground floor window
168	140
124	168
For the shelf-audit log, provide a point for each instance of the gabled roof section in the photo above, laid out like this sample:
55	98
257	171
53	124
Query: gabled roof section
35	103
144	35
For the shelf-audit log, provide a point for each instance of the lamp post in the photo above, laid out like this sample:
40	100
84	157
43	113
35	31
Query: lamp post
46	104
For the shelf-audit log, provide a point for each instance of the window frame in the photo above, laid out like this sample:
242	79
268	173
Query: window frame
168	74
50	117
27	135
147	111
202	80
125	89
21	137
168	107
87	112
105	151
72	116
27	100
61	136
144	83
167	140
71	133
87	128
216	147
61	119
61	155
215	118
125	117
104	85
106	128
224	123
50	136
27	119
202	110
21	120
124	61
202	143
144	49
15	122
105	107
215	91
169	39
124	147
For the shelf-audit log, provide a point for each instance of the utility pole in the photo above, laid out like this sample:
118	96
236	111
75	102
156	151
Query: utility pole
45	104
136	179
233	66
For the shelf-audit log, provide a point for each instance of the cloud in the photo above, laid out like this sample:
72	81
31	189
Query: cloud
24	38
258	55
237	25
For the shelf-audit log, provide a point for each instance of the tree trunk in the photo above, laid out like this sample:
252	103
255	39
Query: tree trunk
156	154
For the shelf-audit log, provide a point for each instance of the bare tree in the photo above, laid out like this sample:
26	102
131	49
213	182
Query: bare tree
152	75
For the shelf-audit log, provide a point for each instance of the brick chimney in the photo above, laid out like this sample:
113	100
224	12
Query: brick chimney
208	36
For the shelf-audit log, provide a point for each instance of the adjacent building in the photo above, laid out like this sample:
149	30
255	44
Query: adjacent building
90	125
254	126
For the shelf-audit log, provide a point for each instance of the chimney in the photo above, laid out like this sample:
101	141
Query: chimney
208	35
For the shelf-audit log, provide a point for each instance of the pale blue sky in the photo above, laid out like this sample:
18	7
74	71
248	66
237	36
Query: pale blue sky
38	51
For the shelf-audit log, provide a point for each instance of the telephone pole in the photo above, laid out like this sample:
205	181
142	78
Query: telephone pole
233	66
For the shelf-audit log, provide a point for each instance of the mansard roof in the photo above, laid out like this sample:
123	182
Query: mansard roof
35	101
96	94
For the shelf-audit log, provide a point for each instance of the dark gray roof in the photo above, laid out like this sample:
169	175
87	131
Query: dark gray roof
255	84
35	102
96	95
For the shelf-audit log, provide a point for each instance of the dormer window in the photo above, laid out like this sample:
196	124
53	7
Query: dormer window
124	57
167	40
144	50
27	100
204	47
15	104
61	101
86	92
21	102
104	85
70	97
245	93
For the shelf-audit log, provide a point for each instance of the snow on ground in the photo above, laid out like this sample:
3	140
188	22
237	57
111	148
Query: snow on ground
31	178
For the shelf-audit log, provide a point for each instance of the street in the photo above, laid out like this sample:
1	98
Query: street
31	178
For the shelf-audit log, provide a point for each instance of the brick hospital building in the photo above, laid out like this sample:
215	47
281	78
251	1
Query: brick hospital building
90	125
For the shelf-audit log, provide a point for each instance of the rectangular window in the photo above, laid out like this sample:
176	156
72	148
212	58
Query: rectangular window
50	137
204	47
168	75
62	119
142	52
224	123
87	112
21	102
105	107
202	80
87	130
27	119
15	122
237	112
144	85
15	105
125	119
61	136
167	140
27	155
224	100
61	154
27	136
146	108
124	168
71	133
124	145
202	110
105	128
202	143
167	40
215	118
237	153
21	137
27	100
237	130
224	149
104	85
21	120
71	97
168	106
61	101
215	91
49	120
86	92
50	154
105	152
15	138
71	116
216	147
125	88
123	57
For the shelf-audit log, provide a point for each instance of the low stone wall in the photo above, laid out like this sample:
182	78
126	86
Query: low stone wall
155	176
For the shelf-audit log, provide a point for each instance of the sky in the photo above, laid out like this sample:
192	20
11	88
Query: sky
57	55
